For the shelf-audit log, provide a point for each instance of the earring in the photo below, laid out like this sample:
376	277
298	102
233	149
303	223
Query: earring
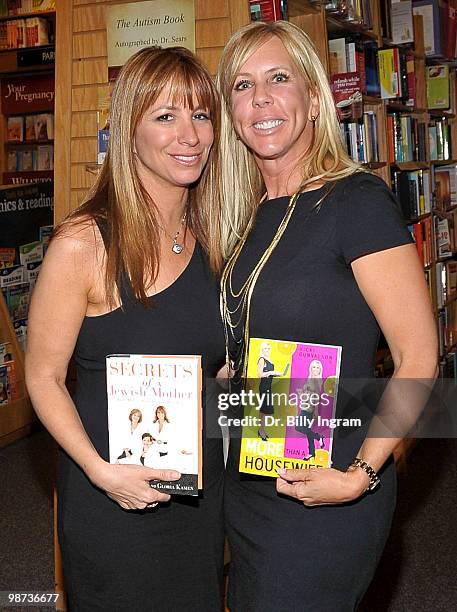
313	119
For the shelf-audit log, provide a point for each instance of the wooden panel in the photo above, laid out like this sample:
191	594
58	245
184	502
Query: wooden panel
212	33
90	71
210	57
89	44
239	15
84	150
206	9
315	26
81	178
89	18
77	197
62	116
84	124
88	98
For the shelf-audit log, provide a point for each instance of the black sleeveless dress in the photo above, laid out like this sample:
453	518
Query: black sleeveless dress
286	556
169	558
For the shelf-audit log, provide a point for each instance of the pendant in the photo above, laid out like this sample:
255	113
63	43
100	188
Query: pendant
177	248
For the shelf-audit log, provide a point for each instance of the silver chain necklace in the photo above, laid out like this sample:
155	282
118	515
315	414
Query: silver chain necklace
177	247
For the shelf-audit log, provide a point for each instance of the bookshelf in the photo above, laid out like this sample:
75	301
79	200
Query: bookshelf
26	184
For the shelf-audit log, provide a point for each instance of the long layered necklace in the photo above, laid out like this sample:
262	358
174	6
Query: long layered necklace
237	319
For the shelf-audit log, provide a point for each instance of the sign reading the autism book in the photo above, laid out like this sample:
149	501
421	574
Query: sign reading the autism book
165	23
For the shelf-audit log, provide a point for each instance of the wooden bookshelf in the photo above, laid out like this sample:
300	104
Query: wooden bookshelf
18	418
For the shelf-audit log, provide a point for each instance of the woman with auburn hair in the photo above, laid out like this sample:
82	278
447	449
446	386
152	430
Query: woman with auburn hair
127	273
318	253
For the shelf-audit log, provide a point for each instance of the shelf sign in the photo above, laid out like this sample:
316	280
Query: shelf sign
131	27
35	57
27	94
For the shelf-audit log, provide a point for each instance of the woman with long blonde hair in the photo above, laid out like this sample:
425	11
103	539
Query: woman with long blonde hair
317	253
127	273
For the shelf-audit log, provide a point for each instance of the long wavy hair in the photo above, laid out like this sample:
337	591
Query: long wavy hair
326	159
118	194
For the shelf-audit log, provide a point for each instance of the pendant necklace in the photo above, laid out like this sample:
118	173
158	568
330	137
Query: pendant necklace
176	246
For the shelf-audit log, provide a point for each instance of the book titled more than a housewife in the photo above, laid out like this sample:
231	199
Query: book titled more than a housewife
290	423
154	416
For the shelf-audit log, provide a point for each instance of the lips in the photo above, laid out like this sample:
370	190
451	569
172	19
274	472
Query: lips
187	160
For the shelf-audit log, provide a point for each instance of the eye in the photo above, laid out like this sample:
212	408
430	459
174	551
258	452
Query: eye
166	117
202	116
280	77
244	84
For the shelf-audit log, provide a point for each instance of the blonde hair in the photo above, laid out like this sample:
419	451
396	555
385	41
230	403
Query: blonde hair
241	182
118	194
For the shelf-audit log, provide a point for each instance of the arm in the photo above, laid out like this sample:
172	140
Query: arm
260	366
393	285
62	296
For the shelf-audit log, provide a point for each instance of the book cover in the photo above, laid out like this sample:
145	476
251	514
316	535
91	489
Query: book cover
437	82
17	299
154	416
347	94
294	386
6	352
29	253
402	22
11	275
389	75
12	386
15	129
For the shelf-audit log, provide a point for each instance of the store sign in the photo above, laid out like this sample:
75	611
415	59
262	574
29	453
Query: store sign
23	210
35	57
27	94
165	23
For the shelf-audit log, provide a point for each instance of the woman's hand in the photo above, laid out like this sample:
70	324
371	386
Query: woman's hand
128	485
318	486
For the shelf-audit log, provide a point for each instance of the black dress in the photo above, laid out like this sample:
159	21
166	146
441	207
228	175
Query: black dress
165	559
265	388
286	556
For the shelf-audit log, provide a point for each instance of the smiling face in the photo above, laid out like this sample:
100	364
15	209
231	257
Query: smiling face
172	143
272	106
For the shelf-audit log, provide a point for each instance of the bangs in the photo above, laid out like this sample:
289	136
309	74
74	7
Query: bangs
188	85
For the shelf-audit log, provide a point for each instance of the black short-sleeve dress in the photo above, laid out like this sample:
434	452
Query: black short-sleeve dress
164	559
286	556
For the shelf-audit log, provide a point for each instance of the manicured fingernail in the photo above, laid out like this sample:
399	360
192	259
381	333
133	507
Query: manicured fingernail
281	471
175	475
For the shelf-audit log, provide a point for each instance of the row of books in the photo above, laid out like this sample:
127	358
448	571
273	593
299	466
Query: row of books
406	138
10	8
21	33
361	138
439	18
25	128
8	381
413	192
422	234
40	157
447	328
446	282
439	137
446	234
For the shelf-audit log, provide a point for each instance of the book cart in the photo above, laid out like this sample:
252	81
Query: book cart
26	60
82	86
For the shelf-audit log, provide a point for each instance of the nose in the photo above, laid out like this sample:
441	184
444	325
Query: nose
187	133
262	96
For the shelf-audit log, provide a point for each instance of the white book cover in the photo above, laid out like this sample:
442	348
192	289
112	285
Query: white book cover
154	416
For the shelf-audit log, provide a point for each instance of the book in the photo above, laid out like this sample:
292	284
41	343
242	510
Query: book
13	390
346	89
11	275
17	299
151	386
6	352
32	252
389	73
437	81
15	129
401	15
298	402
265	10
